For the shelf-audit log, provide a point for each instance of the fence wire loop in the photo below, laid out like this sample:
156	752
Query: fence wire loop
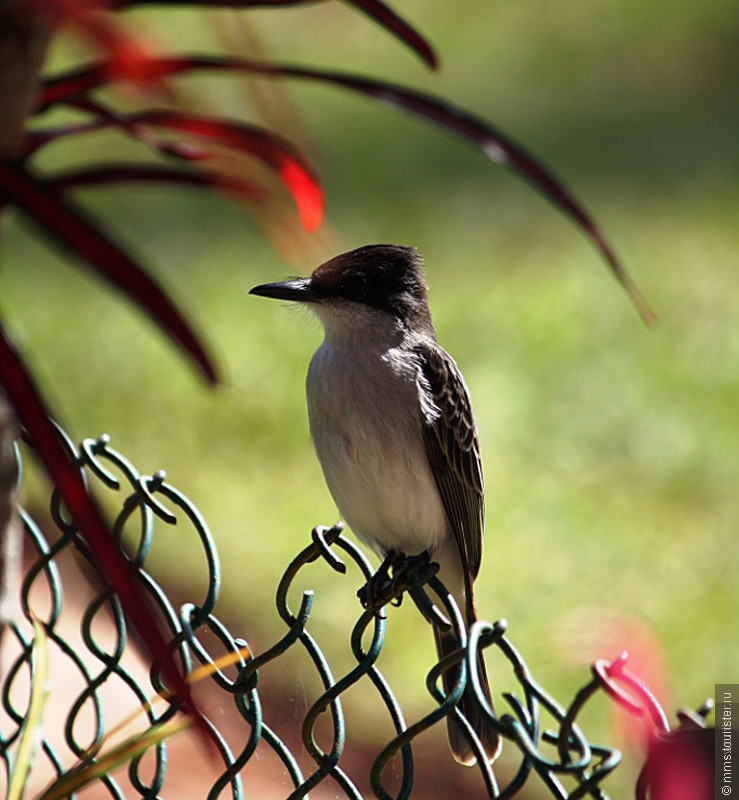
546	736
640	701
323	538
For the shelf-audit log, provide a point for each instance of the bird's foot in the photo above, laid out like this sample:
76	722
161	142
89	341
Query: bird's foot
374	593
383	588
403	572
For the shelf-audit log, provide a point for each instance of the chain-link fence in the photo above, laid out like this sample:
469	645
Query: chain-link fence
544	735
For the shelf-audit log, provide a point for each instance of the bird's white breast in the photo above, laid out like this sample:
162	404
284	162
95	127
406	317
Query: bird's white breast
364	408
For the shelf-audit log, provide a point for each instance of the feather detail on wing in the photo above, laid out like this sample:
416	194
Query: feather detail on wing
450	436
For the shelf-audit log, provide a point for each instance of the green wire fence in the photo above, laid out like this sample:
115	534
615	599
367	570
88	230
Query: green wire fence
545	735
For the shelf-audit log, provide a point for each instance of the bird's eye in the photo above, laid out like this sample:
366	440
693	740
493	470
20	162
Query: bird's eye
356	286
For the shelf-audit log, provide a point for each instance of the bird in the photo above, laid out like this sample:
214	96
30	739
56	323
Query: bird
393	427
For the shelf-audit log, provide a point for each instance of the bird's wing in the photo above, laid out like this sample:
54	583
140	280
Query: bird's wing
450	436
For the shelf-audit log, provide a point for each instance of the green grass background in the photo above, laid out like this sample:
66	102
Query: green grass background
610	450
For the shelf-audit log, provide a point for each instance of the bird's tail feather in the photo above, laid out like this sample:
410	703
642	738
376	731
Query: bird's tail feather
461	750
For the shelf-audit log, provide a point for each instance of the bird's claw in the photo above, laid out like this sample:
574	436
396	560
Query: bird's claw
382	588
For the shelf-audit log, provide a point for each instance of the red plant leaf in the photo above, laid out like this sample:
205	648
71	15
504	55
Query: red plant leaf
375	9
150	173
105	117
389	19
65	475
495	145
69	227
125	53
296	174
293	170
75	83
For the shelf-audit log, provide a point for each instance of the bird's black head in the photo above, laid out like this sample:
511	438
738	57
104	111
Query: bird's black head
386	277
383	277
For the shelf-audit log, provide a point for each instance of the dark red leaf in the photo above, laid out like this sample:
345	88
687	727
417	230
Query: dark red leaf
125	52
293	170
65	475
377	10
150	173
37	139
300	179
69	227
106	117
495	145
74	84
389	19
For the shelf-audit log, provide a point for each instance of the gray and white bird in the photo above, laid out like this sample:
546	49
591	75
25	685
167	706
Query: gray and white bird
393	427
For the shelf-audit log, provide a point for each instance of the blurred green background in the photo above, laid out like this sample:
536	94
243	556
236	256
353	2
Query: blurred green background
610	450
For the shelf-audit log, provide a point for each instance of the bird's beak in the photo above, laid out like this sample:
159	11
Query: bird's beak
298	289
